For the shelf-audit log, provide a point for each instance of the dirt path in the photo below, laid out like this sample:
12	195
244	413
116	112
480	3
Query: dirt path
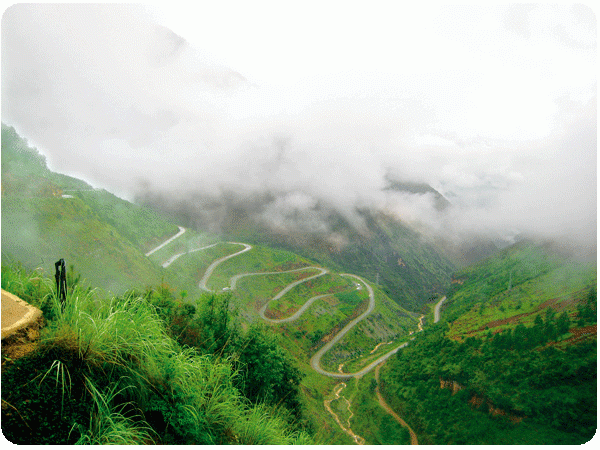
16	314
336	392
384	405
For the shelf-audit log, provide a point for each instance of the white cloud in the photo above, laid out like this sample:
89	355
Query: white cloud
493	106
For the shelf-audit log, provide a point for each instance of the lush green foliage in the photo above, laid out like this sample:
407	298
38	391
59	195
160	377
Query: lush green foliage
107	371
266	373
551	390
520	348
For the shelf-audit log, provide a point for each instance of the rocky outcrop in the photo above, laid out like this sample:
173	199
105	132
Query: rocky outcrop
477	401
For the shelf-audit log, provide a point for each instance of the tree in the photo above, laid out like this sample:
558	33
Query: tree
267	372
563	323
215	317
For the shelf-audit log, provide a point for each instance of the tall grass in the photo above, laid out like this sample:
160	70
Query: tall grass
32	287
118	331
108	425
116	354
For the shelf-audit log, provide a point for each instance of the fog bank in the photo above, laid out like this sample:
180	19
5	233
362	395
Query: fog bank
493	107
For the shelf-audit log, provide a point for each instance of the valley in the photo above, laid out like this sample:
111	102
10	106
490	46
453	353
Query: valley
322	338
315	360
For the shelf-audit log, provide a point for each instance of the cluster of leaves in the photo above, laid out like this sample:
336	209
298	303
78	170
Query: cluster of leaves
551	390
107	371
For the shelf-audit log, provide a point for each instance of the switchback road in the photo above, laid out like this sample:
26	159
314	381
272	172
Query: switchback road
315	361
181	231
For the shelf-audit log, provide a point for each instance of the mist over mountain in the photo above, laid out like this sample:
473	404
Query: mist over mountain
494	108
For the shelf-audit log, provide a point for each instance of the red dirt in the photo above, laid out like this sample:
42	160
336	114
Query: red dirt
555	303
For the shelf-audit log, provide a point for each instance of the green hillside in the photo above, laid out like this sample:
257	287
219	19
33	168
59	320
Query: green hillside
411	268
119	370
47	216
513	360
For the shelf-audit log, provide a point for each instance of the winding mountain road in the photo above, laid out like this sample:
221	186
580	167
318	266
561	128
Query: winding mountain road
173	258
436	310
172	238
213	266
315	361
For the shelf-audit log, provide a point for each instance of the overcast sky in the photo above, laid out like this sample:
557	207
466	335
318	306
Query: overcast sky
493	106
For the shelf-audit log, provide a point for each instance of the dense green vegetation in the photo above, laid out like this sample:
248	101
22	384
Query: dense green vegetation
517	357
120	370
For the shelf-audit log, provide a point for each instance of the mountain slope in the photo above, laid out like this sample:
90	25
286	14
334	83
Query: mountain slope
410	266
47	216
513	360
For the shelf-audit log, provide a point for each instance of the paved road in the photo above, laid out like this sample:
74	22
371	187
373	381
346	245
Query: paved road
294	316
287	289
181	231
436	310
173	258
213	266
315	361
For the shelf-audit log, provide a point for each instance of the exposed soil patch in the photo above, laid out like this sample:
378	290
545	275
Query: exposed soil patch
555	304
580	334
477	402
277	315
21	343
355	437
